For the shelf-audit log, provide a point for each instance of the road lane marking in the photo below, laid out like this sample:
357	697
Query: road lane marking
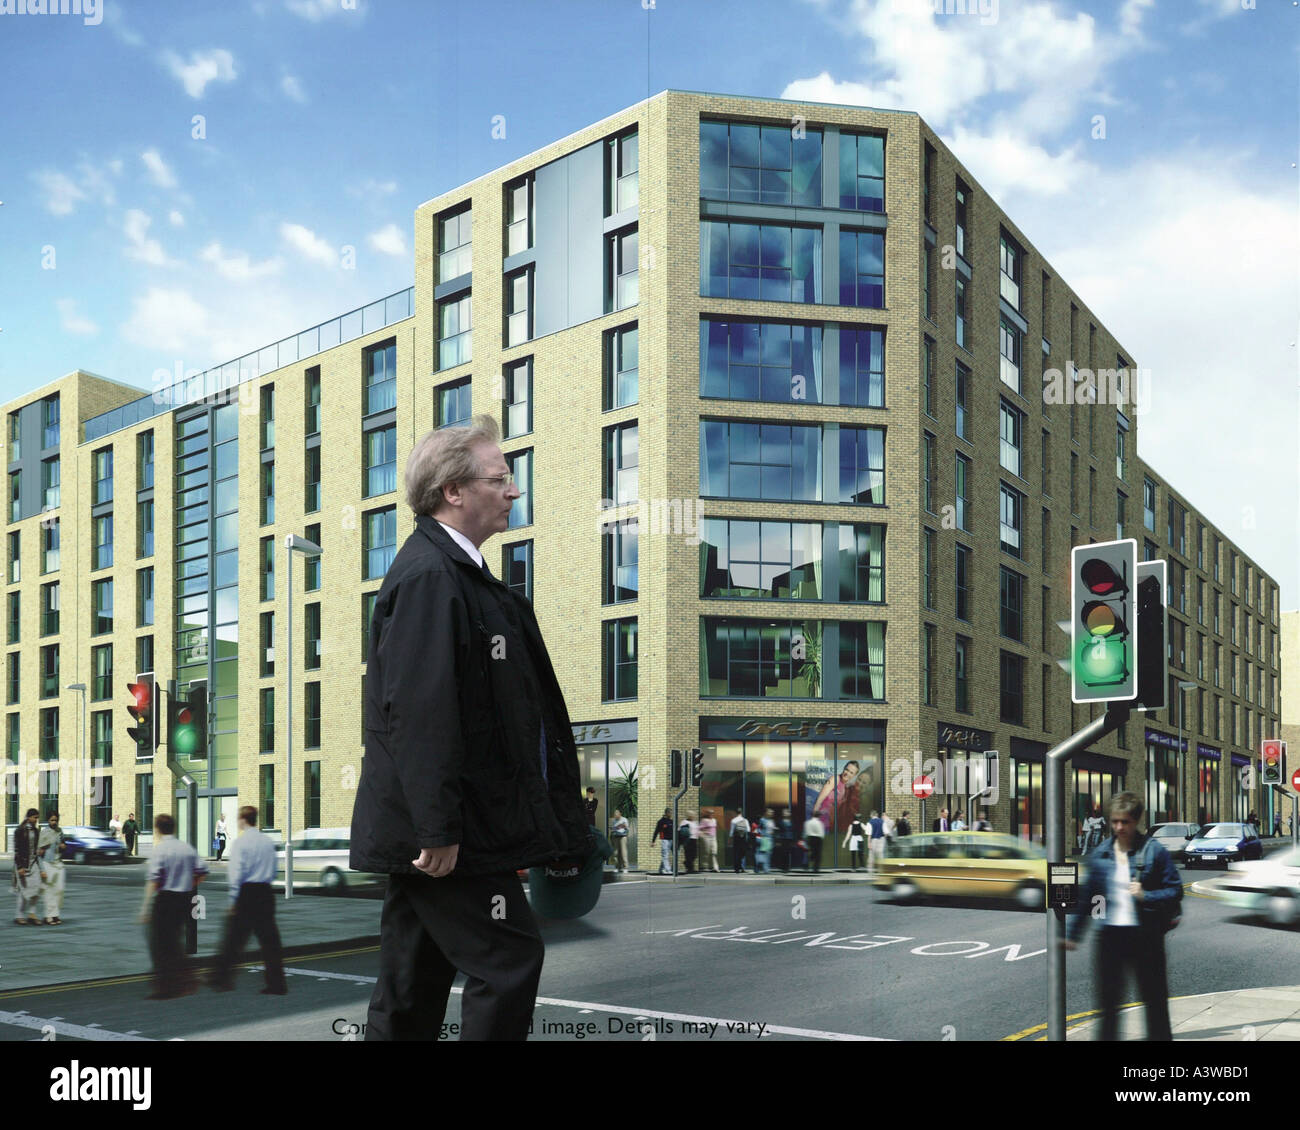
63	1028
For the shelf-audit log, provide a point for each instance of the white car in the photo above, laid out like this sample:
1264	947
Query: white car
1269	886
320	858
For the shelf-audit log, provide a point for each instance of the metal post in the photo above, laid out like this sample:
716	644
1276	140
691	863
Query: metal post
288	737
676	801
84	750
1054	800
1182	768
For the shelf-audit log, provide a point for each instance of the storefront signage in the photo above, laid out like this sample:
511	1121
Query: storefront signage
770	729
590	733
804	728
1206	751
1154	737
964	737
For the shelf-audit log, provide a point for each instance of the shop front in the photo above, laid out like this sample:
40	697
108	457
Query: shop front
1163	793
789	768
607	762
1091	780
1208	760
968	765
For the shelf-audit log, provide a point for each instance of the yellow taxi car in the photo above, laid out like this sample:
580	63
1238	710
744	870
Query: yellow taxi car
965	865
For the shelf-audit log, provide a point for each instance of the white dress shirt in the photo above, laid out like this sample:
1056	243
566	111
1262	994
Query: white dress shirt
1122	909
173	864
464	542
252	860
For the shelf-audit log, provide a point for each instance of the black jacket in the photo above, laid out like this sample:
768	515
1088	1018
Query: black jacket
25	840
457	685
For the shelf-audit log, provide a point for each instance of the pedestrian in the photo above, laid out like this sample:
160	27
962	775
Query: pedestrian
784	840
689	834
589	806
984	824
1094	830
1134	883
471	773
252	907
814	831
904	825
875	841
114	827
766	836
739	828
129	831
26	880
175	871
1252	817
752	845
664	834
958	824
618	834
941	821
708	841
1277	824
221	837
49	852
853	840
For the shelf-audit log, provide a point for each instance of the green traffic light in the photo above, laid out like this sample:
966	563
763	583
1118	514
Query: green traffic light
1102	661
185	740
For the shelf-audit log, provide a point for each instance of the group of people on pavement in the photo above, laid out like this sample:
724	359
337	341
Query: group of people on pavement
38	870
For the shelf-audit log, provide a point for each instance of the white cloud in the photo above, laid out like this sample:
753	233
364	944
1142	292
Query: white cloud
159	171
217	65
168	319
388	240
371	187
308	244
1131	14
237	266
70	321
317	10
1005	164
175	219
292	89
139	246
60	191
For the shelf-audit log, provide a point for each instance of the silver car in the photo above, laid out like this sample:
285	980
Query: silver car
1269	886
1173	838
320	859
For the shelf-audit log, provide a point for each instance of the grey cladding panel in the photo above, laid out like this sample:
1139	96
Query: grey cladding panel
569	283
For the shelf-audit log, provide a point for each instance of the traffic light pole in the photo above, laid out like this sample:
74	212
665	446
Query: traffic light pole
676	820
1116	715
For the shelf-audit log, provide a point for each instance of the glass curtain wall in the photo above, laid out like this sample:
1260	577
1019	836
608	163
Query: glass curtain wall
611	769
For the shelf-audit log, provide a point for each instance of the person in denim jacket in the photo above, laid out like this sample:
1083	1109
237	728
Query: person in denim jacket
1134	892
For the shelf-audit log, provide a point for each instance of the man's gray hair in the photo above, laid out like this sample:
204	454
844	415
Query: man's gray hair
445	455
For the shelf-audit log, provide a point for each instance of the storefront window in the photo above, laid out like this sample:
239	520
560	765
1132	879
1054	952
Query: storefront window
1207	790
1027	804
1162	785
1092	789
611	769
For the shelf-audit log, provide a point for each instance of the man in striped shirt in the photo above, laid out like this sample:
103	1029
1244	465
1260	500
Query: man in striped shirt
175	871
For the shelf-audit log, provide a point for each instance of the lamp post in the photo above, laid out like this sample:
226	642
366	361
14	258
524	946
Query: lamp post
292	544
82	759
1183	687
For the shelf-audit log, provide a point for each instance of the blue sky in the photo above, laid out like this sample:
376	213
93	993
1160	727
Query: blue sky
129	245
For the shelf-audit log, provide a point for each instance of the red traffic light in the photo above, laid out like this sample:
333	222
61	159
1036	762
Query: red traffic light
1272	752
141	693
1100	578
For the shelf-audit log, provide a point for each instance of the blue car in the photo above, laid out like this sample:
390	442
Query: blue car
1224	843
84	845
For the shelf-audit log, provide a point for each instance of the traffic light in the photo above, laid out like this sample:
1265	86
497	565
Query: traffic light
187	724
1153	636
697	767
1272	762
1103	638
143	709
676	770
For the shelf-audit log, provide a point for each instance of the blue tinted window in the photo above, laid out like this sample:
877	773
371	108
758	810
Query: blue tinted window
862	367
862	269
862	172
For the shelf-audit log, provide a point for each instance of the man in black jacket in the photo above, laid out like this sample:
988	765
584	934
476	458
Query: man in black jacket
26	874
470	772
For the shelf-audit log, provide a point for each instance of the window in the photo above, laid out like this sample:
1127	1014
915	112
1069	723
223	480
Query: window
771	560
1046	462
1044	616
768	461
311	565
1009	282
1177	526
144	653
1010	528
1121	448
1121	507
621	173
1092	496
1012	679
862	659
268	493
312	412
1012	426
621	251
517	410
760	164
50	671
12	682
15	555
619	551
927	472
928	178
927	376
759	658
962	339
962	578
144	597
1149	507
49	609
103	558
961	675
367	618
311	719
862	562
519	215
1046	537
15	616
927	567
455	327
519	307
311	487
618	662
266	645
862	466
50	422
963	199
1074	483
1216	558
962	393
15	437
12	746
103	472
927	667
962	486
1149	549
862	367
144	528
312	634
268	568
15	495
521	467
101	668
621	365
454	246
380	461
770	262
266	719
268	417
266	795
50	483
1046	315
862	172
379	368
862	269
927	281
380	542
102	600
517	567
1012	609
1009	344
311	794
454	404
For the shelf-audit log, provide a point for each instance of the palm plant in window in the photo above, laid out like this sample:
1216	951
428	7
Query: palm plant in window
807	652
623	792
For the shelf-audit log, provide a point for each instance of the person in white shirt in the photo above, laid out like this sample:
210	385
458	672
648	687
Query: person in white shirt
175	871
252	907
739	841
814	832
221	837
114	826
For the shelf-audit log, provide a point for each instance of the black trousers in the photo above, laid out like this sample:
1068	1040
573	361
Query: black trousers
221	846
692	849
1141	949
481	926
815	852
739	848
166	941
254	915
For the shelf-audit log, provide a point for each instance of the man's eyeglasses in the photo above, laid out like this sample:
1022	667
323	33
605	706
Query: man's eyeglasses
505	481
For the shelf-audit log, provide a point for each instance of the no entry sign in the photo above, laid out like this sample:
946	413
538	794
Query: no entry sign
1295	780
922	787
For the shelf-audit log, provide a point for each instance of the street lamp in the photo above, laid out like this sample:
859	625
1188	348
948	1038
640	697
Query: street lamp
292	544
1184	685
82	759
